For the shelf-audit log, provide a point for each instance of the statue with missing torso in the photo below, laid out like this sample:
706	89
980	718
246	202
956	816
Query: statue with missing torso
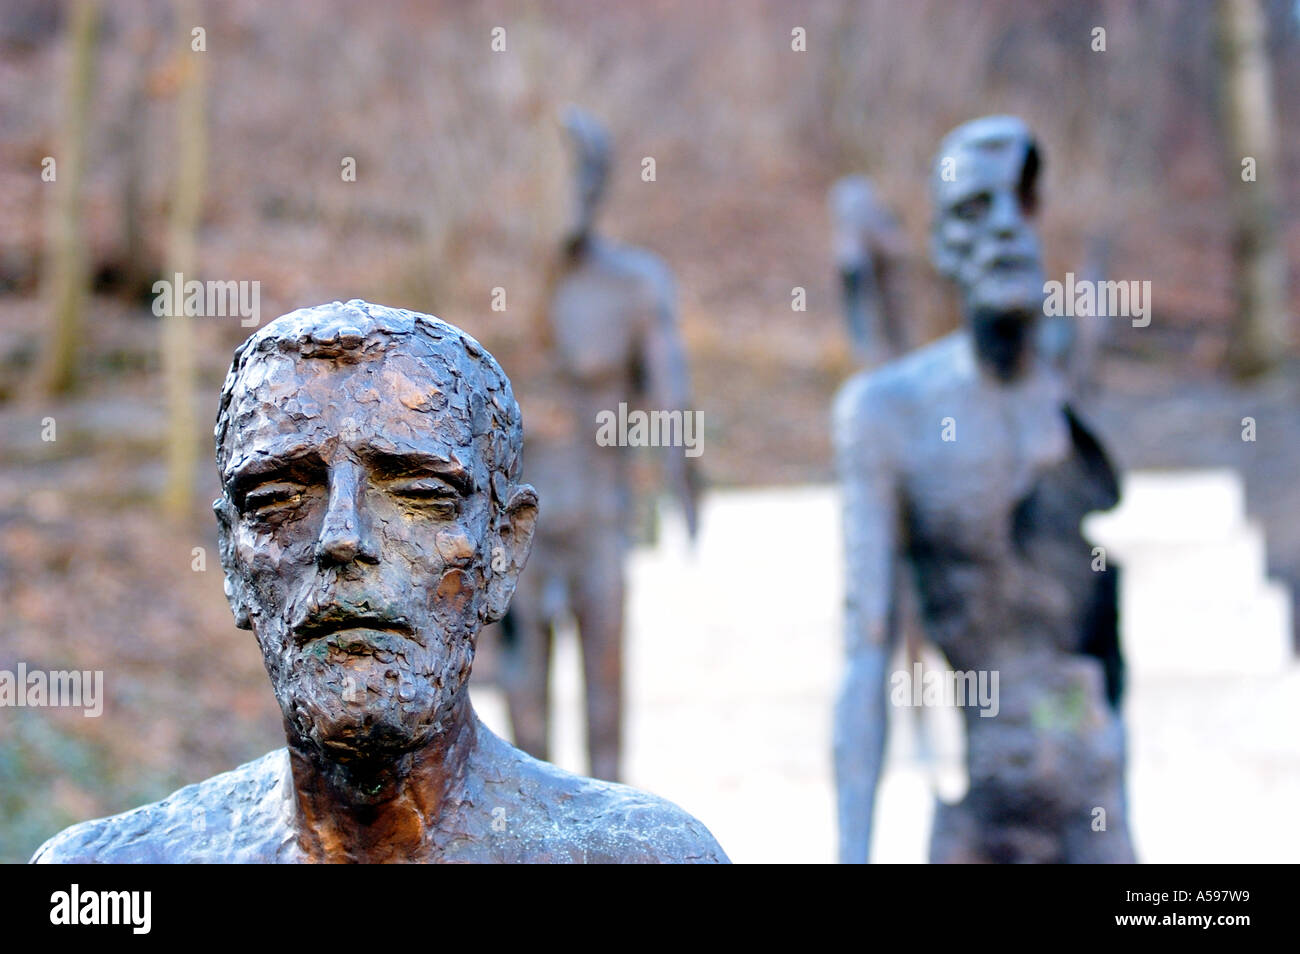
371	521
966	471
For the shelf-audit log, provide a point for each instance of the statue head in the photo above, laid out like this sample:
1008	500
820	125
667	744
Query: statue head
589	141
853	206
984	188
371	519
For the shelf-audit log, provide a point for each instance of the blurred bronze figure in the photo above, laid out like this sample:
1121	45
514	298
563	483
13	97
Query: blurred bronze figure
371	522
870	250
965	469
611	337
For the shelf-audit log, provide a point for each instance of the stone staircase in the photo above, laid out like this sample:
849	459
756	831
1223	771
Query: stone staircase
734	653
1195	597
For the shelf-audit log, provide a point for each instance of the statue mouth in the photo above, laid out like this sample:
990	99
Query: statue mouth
1010	264
352	633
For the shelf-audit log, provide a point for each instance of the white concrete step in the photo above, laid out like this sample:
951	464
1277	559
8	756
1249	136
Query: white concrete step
1185	506
1235	562
734	659
1195	597
1190	633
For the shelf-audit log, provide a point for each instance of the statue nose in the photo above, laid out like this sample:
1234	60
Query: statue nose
339	546
344	536
1006	218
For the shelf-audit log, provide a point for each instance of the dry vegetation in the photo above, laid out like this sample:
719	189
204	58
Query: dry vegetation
461	187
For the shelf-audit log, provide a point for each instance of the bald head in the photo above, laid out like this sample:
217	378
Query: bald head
972	149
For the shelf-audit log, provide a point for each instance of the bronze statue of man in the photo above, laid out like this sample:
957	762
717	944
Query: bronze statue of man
611	338
965	471
371	521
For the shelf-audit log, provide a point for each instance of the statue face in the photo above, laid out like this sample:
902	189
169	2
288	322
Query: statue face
361	538
985	194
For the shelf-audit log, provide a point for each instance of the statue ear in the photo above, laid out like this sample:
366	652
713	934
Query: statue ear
237	606
512	541
225	528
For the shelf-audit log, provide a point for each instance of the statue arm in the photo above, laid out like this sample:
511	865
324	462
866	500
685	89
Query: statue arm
871	550
667	376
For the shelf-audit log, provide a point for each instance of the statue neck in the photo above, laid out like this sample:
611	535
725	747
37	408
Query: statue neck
371	813
1004	345
576	244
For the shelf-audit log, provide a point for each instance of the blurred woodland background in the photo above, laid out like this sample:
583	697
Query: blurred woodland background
225	164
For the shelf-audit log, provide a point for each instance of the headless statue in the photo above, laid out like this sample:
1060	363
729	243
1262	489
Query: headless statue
612	337
966	472
371	521
869	251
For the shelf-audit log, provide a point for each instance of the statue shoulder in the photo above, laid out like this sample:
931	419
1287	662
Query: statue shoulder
229	817
561	816
625	824
634	264
878	398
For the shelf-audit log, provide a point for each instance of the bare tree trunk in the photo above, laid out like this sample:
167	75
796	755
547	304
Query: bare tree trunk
1259	333
549	192
177	330
66	275
131	142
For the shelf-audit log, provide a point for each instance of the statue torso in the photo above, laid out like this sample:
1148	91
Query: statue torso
991	491
989	521
600	316
514	809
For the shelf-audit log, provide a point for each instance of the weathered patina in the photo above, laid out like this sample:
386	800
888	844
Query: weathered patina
372	520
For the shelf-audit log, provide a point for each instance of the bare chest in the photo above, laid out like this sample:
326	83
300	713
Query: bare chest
595	325
979	457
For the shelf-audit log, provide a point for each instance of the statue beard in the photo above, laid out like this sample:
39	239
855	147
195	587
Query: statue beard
375	706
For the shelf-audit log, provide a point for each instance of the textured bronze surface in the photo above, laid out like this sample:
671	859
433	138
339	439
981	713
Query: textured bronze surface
371	522
966	472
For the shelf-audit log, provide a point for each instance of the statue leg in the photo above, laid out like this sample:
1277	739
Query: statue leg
1097	831
954	838
1085	840
1086	846
599	610
528	672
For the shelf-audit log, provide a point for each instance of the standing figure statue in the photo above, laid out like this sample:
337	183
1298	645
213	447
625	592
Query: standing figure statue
611	338
870	250
966	472
371	521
